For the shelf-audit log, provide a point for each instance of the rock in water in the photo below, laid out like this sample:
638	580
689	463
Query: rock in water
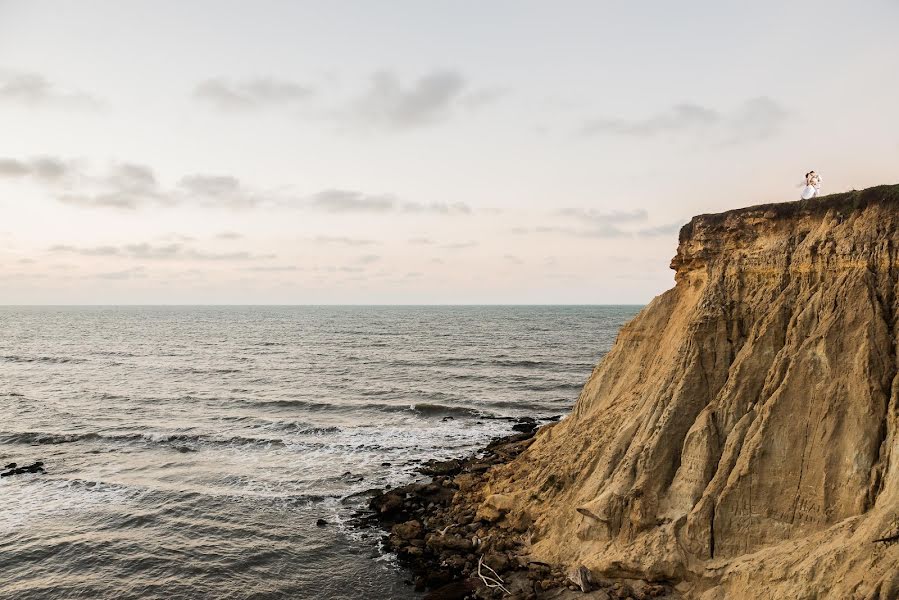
37	467
748	416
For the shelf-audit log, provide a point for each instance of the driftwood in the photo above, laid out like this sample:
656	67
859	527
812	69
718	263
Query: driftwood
494	581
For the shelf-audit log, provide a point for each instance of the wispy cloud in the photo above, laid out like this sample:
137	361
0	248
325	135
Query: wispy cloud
391	105
344	201
229	236
596	216
352	201
459	245
661	230
45	169
368	259
222	191
146	251
599	231
442	208
125	186
132	273
251	95
130	186
756	119
34	91
273	269
345	241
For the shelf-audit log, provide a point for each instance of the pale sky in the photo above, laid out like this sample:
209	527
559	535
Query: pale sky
407	152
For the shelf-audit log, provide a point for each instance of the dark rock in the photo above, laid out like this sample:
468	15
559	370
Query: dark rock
408	530
387	504
497	561
37	467
441	467
456	590
582	578
321	523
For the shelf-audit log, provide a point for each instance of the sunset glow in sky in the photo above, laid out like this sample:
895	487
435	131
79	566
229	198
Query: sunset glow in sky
415	152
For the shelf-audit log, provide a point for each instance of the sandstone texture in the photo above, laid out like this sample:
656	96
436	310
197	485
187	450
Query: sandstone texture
741	439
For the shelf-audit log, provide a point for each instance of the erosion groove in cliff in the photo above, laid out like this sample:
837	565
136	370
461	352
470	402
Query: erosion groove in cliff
741	435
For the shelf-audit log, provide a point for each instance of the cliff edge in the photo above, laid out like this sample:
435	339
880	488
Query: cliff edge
741	438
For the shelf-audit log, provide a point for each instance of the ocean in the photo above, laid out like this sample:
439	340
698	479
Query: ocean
191	451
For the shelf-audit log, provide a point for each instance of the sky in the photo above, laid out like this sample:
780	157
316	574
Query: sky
414	151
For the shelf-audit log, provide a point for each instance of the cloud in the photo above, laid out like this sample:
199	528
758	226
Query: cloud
368	259
273	269
130	186
33	91
351	201
756	119
459	245
600	230
597	231
95	251
390	105
44	169
346	241
217	190
483	97
251	95
132	273
661	230
146	251
229	235
592	215
454	208
345	201
125	186
423	241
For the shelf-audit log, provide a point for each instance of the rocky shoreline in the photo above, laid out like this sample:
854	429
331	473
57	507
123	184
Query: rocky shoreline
457	544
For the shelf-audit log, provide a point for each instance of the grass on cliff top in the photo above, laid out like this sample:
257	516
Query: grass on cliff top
843	202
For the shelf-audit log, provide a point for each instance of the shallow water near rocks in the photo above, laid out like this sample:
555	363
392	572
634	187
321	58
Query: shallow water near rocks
191	450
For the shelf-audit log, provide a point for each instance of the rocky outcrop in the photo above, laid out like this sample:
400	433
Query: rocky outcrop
741	439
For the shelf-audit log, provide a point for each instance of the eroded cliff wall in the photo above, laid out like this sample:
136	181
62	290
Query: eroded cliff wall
741	436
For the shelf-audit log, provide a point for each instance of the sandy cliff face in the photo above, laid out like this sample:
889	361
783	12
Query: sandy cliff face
742	436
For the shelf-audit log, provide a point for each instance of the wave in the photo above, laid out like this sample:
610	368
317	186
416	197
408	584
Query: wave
199	371
42	359
427	409
177	440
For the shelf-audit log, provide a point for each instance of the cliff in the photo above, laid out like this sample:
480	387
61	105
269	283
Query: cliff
741	439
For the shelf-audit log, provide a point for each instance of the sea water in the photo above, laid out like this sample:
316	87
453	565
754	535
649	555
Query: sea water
191	451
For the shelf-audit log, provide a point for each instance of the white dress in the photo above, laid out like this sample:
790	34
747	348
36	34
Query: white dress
811	188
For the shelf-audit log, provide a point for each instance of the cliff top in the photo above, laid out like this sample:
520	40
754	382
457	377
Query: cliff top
842	202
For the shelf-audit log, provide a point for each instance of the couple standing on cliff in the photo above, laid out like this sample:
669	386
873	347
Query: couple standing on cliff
812	185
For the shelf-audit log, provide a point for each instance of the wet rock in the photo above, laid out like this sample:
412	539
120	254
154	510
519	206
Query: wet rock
441	467
450	542
37	467
408	530
387	504
497	561
457	590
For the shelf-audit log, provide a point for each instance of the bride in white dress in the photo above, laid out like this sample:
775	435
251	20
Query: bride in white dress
812	185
